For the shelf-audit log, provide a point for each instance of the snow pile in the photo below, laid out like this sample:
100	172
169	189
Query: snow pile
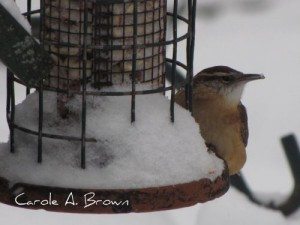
14	10
151	152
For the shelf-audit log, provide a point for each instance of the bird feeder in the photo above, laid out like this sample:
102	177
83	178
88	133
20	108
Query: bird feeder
109	58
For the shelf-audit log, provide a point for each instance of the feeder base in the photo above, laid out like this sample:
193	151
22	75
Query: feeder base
70	200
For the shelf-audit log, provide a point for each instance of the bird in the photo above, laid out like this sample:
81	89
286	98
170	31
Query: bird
218	110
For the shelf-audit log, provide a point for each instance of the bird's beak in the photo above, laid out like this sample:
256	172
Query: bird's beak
251	77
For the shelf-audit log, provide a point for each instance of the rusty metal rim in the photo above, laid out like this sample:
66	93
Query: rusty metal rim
140	200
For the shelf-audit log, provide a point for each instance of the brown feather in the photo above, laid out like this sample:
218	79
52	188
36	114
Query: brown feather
244	123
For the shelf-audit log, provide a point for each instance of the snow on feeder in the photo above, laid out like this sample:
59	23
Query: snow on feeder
99	124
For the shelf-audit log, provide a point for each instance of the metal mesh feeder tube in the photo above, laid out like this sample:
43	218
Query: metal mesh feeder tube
114	26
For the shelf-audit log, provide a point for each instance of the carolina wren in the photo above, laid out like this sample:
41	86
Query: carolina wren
217	109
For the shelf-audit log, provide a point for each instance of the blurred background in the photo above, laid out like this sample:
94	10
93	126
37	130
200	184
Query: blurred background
253	36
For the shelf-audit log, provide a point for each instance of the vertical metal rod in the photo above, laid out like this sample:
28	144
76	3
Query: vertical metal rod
29	20
188	49
175	12
159	48
191	57
83	121
68	58
123	39
59	38
41	94
42	18
8	97
40	127
111	44
165	47
11	109
94	34
28	10
145	39
152	49
134	56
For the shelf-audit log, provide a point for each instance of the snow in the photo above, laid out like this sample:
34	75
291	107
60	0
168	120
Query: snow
237	210
14	10
269	199
264	41
149	153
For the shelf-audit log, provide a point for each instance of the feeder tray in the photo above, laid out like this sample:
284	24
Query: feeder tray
101	43
139	200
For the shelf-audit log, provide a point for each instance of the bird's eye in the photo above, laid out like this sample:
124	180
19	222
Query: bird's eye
226	79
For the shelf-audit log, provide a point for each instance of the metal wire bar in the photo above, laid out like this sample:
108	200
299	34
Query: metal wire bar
134	56
59	50
124	34
31	12
40	126
191	55
144	52
175	11
165	46
11	115
152	49
112	53
42	25
41	99
188	49
29	20
83	120
8	96
52	136
112	93
28	10
68	58
144	92
121	47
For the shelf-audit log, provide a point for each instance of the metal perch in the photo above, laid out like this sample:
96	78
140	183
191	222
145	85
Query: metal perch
21	53
292	152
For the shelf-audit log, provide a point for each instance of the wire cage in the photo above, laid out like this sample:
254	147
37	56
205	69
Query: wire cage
105	43
97	44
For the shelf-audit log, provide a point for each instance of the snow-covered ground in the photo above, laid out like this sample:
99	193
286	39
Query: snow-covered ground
264	41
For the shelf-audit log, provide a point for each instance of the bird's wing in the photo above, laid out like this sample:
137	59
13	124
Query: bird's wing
244	123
